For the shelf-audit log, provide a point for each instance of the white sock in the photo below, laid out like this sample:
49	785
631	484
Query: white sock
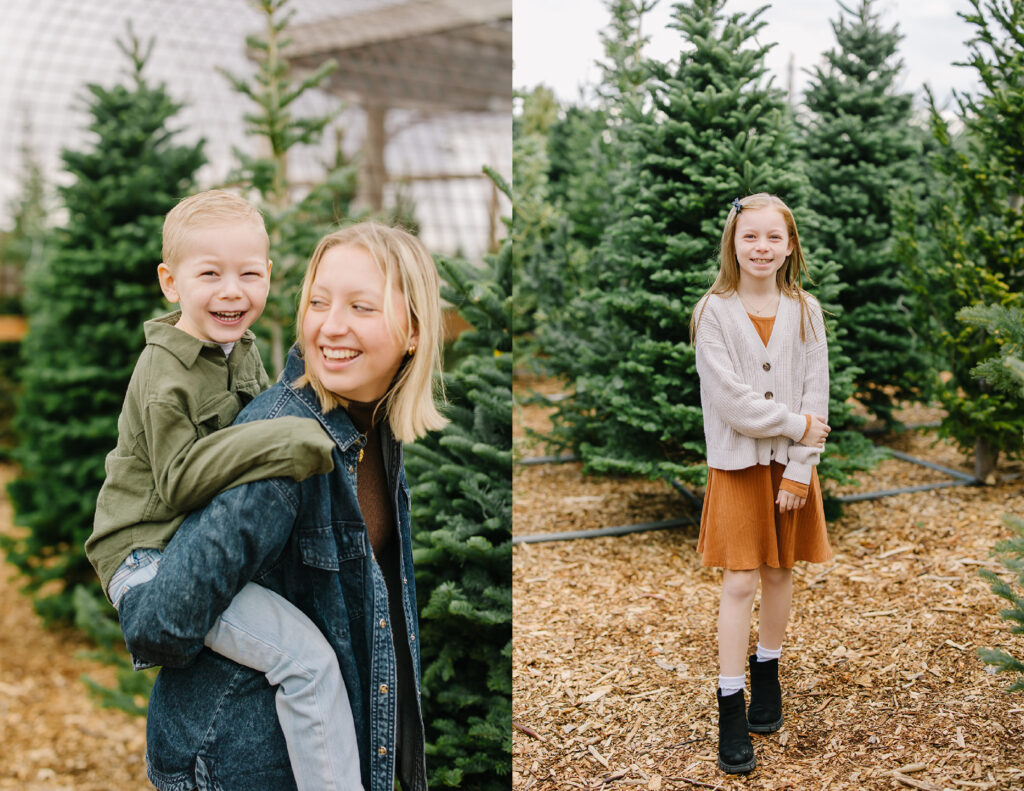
731	684
767	654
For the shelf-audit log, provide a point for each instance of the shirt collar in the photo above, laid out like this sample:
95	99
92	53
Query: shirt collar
187	348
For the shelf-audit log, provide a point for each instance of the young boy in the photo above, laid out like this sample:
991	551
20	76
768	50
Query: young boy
176	449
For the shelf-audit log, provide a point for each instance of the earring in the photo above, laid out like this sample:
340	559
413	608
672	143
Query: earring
412	350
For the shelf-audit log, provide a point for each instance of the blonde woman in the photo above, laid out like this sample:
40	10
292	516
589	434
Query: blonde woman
336	545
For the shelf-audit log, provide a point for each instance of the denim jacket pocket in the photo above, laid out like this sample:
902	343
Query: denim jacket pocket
318	548
353	544
340	551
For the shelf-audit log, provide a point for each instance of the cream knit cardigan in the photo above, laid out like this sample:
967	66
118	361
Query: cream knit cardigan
755	398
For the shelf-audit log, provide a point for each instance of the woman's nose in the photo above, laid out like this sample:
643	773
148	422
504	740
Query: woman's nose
335	322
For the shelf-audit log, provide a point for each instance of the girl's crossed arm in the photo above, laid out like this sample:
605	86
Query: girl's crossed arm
814	401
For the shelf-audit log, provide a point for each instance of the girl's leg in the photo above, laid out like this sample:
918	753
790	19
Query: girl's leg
266	632
735	752
738	589
776	598
765	712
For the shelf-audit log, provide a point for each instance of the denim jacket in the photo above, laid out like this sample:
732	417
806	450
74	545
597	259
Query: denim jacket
212	724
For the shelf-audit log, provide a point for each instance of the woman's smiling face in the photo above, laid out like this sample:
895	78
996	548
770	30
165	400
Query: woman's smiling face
349	345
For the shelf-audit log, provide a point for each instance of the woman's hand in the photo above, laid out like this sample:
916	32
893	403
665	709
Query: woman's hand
787	501
816	433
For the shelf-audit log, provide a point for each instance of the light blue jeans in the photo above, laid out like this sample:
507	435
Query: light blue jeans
266	632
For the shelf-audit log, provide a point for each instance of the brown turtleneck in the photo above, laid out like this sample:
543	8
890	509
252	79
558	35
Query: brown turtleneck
371	479
378	513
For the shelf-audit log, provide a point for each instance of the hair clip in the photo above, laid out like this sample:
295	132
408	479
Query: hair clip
737	205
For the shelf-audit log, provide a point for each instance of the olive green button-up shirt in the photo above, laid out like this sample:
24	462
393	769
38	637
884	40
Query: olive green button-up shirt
176	447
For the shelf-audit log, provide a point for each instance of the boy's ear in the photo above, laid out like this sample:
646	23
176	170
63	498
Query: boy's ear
167	282
270	265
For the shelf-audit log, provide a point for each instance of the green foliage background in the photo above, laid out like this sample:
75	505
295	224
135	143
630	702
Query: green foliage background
462	518
688	138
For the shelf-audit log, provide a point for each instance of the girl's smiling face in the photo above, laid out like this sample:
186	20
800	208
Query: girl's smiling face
349	345
762	243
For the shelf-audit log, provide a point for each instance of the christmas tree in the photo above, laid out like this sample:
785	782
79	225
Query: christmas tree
541	276
565	168
1005	372
296	220
860	147
86	306
964	244
462	517
712	128
23	248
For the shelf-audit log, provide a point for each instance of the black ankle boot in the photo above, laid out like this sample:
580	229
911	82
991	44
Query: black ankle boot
735	753
765	714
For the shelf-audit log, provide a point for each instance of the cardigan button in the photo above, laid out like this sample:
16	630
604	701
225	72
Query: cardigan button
767	366
769	395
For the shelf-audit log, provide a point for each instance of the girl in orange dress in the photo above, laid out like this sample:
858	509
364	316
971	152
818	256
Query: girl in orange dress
763	364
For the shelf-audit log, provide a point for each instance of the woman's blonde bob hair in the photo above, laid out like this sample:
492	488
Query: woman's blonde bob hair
409	405
787	278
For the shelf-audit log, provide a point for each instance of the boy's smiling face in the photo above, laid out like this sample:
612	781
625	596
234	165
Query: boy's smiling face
221	282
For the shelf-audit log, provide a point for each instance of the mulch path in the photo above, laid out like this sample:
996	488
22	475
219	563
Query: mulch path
52	736
615	657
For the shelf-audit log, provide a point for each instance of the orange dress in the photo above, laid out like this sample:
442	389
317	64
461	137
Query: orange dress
742	528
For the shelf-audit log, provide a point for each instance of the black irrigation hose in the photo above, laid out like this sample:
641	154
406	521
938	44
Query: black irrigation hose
962	479
924	487
693	498
535	460
531	461
963	476
618	530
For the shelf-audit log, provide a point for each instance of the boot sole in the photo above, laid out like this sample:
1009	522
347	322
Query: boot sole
735	769
764	727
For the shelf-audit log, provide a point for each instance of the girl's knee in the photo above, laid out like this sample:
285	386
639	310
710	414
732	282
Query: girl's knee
774	576
739	584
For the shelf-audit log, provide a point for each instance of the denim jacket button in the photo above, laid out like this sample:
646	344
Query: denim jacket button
351	469
412	638
383	689
382	750
383	623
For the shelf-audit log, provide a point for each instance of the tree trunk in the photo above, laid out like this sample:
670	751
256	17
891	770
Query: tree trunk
985	458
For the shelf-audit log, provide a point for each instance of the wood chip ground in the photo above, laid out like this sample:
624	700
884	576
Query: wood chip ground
615	657
52	736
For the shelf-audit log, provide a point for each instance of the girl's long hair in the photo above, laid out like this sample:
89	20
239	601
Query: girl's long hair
789	276
409	405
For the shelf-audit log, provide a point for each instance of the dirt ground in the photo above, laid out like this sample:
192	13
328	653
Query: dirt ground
52	736
615	655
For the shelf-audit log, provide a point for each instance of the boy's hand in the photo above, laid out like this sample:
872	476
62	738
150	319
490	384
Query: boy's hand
787	501
816	433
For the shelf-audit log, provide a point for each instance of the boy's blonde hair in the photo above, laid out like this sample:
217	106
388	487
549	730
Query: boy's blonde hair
787	278
408	405
200	211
